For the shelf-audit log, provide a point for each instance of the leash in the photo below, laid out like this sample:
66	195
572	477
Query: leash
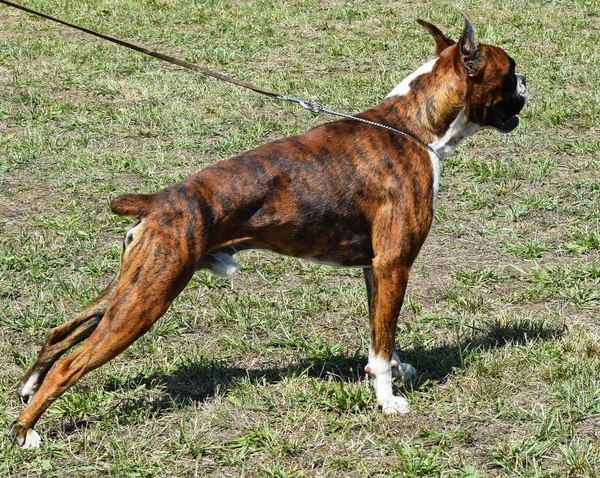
312	106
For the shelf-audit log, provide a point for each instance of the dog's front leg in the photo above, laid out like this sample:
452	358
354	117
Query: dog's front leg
396	243
399	369
388	288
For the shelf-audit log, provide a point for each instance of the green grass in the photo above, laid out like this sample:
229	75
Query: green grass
262	375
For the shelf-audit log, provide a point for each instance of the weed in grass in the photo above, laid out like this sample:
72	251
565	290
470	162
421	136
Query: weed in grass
277	471
520	455
468	471
580	458
542	201
584	241
528	249
416	462
339	396
484	277
516	212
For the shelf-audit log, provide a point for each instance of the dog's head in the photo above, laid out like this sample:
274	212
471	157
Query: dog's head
495	93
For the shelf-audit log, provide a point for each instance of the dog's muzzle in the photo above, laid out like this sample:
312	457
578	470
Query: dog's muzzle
504	113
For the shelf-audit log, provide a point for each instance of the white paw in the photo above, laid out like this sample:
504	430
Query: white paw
32	440
394	405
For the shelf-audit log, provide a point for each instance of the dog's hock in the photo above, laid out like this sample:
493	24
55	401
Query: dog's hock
131	234
26	390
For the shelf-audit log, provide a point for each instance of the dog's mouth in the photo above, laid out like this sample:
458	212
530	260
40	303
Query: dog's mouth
503	113
508	124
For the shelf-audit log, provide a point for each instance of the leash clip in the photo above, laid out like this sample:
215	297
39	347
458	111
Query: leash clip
312	104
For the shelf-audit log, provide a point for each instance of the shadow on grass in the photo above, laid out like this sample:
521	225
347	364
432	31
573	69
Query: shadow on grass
201	379
437	363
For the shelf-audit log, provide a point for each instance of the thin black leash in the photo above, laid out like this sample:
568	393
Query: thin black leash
312	106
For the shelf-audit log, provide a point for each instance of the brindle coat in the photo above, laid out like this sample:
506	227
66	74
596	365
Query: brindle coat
345	193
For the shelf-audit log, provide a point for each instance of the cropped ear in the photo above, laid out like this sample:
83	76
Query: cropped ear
469	49
441	41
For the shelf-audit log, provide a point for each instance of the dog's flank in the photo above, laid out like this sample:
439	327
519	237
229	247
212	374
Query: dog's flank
344	193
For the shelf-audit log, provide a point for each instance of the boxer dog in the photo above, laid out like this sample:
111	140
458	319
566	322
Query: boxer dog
345	193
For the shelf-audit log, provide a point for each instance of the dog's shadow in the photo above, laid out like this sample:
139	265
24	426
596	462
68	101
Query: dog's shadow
200	380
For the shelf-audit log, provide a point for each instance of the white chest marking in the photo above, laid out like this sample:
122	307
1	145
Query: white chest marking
404	86
459	129
435	164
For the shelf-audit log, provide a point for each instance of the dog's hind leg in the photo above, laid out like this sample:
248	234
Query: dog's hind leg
62	338
154	271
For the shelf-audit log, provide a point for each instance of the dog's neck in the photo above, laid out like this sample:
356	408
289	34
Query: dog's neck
430	103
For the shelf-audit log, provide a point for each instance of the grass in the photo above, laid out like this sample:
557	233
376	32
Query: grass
262	375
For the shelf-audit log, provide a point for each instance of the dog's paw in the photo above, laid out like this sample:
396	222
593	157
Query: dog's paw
26	438
32	440
395	405
404	370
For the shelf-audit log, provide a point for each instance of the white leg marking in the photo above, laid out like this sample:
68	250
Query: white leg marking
27	390
381	369
32	440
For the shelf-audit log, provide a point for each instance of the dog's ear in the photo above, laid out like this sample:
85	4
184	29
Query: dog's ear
441	41
472	58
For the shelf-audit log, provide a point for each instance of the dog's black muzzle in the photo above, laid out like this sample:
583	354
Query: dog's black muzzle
503	115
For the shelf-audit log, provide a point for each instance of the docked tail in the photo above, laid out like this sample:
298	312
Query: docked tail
132	204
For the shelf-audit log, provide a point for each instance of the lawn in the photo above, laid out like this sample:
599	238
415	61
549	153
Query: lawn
262	375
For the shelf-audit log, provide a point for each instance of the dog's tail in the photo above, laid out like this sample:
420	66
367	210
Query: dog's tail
132	204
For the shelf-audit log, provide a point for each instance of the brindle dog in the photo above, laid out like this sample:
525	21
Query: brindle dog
344	193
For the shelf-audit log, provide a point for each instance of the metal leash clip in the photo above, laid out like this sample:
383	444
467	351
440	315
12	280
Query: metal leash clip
313	104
